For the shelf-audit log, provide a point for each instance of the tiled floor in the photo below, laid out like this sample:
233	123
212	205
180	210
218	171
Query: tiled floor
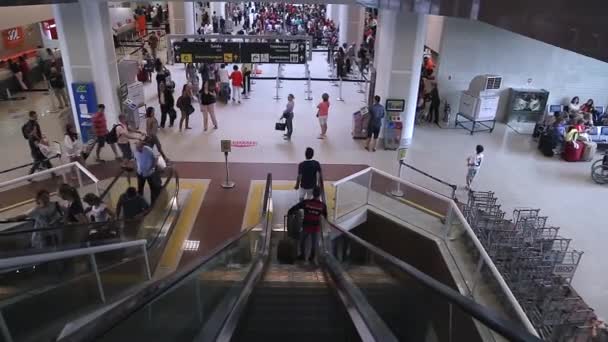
519	175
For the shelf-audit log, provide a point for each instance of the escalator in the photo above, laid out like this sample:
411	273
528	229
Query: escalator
239	292
38	297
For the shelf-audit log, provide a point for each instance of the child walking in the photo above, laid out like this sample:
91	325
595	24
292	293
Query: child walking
474	163
322	114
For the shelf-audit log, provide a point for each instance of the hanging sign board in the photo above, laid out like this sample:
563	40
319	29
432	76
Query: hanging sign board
241	52
203	52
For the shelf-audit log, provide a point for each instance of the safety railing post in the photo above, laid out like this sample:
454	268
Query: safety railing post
277	85
146	262
102	295
477	276
308	84
6	334
340	91
336	204
79	176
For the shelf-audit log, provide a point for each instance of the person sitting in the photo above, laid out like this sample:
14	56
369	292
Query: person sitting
574	105
588	107
580	125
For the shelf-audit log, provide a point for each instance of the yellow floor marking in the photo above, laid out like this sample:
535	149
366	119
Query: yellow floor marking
256	196
419	207
173	251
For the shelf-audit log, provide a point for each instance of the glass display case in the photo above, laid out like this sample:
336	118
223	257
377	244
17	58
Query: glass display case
526	105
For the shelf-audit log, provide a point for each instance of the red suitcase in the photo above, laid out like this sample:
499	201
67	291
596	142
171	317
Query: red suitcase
573	151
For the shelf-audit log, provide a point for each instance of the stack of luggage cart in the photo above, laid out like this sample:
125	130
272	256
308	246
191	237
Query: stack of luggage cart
536	262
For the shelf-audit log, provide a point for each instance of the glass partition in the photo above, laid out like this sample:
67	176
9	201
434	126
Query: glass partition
191	303
404	300
435	216
39	297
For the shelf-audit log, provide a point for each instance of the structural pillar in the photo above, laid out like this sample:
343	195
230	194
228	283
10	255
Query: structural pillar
181	17
332	12
398	60
87	50
352	22
219	7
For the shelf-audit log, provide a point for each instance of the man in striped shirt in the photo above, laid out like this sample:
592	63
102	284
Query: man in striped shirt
311	225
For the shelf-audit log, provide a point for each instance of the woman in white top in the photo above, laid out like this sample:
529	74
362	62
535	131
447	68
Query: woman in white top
97	211
574	105
72	145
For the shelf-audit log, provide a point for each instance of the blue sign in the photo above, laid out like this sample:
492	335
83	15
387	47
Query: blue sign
86	106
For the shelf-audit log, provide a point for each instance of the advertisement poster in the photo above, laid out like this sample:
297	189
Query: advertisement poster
13	37
86	106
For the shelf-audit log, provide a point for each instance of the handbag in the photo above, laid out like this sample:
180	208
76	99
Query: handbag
280	126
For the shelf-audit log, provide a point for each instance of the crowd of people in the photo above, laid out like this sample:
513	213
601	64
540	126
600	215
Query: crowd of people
77	210
571	125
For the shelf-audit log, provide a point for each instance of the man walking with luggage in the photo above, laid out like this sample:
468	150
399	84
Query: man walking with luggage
311	225
309	172
100	128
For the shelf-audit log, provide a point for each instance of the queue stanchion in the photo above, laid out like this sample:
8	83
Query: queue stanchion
340	91
226	149
54	107
279	75
401	153
365	92
277	86
254	68
308	84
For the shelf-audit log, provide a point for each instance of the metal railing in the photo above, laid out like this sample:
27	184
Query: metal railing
452	186
58	169
131	305
362	189
25	261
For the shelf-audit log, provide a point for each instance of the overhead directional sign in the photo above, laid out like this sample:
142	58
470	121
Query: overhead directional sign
274	53
244	52
204	52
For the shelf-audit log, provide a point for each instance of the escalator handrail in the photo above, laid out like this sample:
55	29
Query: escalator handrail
149	293
230	324
485	315
173	174
452	186
371	324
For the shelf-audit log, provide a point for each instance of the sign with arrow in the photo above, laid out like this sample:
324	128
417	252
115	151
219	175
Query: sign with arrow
203	52
244	52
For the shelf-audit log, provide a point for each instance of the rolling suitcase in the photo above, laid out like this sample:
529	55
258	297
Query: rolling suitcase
573	151
293	223
589	149
287	249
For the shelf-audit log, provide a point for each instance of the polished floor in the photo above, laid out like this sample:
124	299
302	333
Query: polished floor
513	168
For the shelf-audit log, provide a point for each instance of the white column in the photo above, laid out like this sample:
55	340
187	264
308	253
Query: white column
87	50
189	17
333	12
398	59
352	21
177	23
219	7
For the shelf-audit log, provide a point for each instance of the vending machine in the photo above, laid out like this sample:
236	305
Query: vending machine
393	124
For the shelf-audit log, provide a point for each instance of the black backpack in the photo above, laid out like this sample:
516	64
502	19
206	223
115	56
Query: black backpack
112	136
26	130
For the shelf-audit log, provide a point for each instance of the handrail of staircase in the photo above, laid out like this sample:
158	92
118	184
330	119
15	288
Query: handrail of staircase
109	319
483	314
454	187
366	320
